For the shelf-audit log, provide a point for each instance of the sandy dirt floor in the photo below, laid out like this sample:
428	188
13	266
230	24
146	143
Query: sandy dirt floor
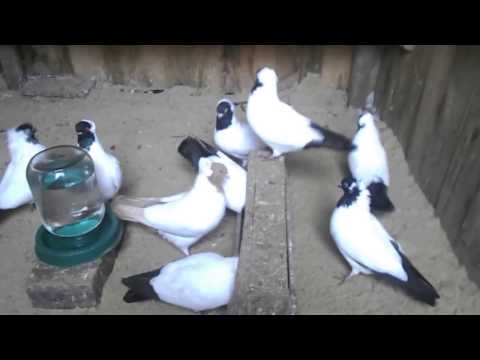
144	131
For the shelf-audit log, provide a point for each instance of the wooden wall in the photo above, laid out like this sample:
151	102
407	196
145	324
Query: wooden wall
227	68
431	99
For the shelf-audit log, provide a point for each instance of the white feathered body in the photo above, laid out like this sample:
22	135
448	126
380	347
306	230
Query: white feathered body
362	240
14	188
107	170
235	186
368	161
278	124
238	139
198	282
184	218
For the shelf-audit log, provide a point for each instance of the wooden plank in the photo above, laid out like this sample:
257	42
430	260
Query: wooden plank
433	94
366	62
336	66
470	227
12	67
461	182
450	122
262	281
43	60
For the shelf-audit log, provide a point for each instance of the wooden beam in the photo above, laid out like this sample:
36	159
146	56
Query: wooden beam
12	67
262	285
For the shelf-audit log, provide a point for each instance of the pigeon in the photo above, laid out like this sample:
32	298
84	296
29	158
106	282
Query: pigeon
107	167
280	126
198	282
184	220
22	146
368	162
232	136
369	249
235	187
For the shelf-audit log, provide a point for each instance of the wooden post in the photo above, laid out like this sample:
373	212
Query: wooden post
365	66
262	281
12	67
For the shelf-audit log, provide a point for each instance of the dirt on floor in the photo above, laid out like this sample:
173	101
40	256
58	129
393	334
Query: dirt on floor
144	130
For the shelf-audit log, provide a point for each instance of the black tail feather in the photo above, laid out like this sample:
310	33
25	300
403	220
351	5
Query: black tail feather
417	286
139	287
379	200
331	140
193	150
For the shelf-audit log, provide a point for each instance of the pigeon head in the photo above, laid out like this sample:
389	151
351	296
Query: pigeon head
348	185
85	125
267	77
85	133
351	191
216	172
219	175
27	131
365	119
225	111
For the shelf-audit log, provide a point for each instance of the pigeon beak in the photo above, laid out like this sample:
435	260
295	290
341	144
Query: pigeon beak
2	131
239	103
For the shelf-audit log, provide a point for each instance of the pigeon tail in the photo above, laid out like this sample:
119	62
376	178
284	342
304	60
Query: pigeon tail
330	140
417	286
131	209
193	150
379	200
139	287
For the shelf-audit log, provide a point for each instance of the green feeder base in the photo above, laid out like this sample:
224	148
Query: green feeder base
66	252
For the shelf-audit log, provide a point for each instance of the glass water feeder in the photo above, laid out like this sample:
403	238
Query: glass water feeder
78	227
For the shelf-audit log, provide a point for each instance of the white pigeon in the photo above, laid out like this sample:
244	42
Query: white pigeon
107	167
280	126
186	219
232	136
368	162
198	282
22	146
235	187
367	246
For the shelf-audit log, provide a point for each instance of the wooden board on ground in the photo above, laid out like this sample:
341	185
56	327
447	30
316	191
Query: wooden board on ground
262	285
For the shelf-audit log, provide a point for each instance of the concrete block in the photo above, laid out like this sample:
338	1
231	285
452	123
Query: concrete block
81	286
262	285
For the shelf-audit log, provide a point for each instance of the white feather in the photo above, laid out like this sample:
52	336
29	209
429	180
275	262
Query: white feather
238	139
362	239
235	186
186	218
107	167
14	188
278	124
107	170
368	161
198	282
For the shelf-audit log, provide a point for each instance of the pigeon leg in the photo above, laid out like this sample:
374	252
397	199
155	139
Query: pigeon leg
346	278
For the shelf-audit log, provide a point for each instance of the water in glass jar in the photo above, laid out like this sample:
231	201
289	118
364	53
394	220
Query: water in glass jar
69	201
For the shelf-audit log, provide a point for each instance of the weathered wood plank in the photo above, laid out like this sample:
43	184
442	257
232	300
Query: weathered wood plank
366	62
433	93
13	73
262	281
450	122
43	60
463	175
